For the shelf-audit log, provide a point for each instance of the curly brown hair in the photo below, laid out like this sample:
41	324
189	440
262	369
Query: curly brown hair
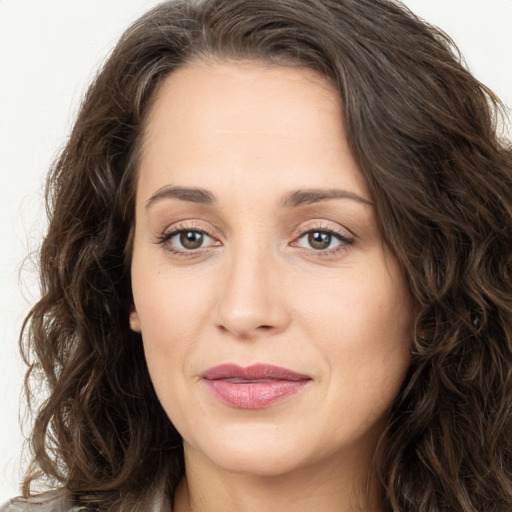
424	133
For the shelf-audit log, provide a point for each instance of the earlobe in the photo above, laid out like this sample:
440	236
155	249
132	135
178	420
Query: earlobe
134	319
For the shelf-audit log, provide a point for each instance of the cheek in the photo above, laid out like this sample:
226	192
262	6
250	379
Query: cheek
171	316
166	321
172	309
170	301
360	310
167	311
362	326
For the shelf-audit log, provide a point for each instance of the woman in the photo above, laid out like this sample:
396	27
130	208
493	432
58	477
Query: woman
277	272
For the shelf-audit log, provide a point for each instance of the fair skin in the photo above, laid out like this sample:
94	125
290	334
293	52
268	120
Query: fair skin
276	260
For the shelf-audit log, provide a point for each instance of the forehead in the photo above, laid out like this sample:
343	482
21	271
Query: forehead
217	80
220	122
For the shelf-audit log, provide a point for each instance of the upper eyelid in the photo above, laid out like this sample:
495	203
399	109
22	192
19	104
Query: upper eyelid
342	237
188	226
305	226
171	233
321	226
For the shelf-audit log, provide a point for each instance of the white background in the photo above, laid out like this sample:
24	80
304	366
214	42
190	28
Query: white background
49	51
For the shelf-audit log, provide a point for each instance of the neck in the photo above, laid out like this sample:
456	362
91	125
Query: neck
332	487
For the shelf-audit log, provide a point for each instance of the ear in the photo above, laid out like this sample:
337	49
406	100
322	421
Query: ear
134	319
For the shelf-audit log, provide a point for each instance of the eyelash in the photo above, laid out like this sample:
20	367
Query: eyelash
344	239
167	236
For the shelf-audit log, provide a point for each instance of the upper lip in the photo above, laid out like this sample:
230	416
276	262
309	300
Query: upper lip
254	372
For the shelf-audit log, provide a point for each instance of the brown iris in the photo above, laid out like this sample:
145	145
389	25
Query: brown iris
191	239
319	240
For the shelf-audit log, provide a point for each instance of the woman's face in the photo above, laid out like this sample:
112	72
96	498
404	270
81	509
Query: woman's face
275	323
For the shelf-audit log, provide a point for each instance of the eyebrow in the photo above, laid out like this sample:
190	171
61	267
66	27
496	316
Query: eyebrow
310	196
192	195
290	200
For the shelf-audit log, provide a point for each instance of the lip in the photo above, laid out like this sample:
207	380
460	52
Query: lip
253	387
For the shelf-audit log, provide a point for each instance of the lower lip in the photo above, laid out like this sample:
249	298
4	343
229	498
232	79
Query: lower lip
253	395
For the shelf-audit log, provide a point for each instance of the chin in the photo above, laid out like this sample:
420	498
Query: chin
257	463
253	451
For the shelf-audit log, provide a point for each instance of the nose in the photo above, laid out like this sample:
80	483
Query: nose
252	301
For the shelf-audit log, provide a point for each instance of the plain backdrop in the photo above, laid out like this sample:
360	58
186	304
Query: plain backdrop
49	50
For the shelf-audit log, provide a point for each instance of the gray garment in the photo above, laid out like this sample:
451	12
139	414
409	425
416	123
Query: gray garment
58	501
48	503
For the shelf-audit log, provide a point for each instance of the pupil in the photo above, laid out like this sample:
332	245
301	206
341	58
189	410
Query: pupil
319	240
191	239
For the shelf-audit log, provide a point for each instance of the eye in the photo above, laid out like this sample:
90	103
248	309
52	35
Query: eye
189	239
323	240
186	240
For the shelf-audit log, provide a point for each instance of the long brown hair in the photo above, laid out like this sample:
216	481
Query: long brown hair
423	131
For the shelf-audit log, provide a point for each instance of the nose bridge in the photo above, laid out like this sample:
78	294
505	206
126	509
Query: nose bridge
250	297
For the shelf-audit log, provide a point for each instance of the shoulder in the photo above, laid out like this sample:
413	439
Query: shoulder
48	502
60	501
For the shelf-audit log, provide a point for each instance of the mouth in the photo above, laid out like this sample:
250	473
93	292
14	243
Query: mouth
253	387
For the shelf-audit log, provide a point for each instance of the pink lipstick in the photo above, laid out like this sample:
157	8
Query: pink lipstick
253	387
